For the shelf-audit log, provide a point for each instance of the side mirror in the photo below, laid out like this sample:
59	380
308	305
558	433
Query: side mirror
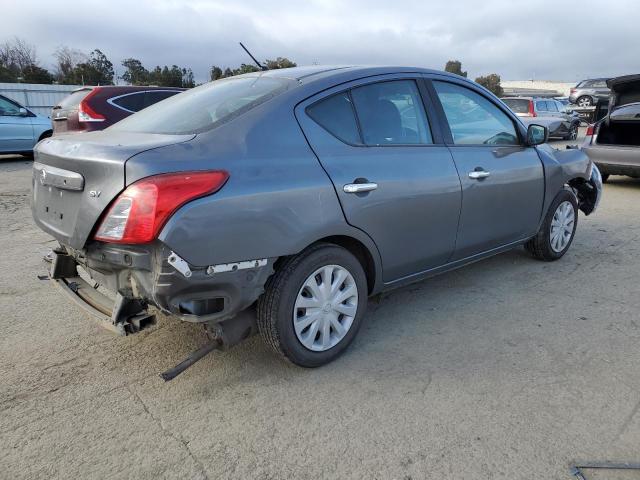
537	134
23	112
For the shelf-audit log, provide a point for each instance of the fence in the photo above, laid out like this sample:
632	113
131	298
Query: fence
40	98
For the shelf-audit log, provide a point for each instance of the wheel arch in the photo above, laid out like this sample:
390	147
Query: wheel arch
45	134
367	255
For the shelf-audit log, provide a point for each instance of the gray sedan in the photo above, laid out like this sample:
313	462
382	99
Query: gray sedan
297	194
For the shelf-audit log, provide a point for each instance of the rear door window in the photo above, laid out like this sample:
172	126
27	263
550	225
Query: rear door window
473	119
391	113
551	106
131	102
335	114
541	106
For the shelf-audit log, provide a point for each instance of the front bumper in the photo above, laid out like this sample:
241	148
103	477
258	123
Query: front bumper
142	276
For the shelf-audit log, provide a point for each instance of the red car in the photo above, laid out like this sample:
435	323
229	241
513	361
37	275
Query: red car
96	108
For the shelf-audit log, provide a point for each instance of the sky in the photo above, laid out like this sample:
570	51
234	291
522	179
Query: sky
541	39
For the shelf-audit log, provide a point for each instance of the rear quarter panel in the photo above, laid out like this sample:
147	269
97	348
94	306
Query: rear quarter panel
277	201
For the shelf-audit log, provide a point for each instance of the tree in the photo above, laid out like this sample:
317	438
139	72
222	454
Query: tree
492	83
66	61
36	74
455	66
280	62
187	78
97	70
135	73
102	66
17	55
215	73
18	63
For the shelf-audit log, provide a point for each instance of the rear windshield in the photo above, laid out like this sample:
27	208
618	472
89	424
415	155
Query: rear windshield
204	107
73	100
517	105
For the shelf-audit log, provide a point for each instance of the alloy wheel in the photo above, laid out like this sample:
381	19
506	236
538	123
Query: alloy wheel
562	226
325	308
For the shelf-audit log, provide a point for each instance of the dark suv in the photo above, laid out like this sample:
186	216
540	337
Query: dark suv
95	108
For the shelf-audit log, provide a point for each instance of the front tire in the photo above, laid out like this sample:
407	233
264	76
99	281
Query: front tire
313	306
558	229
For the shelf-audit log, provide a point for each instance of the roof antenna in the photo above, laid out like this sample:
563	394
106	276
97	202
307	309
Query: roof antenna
260	66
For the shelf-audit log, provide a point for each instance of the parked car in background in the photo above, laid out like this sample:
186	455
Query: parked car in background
587	92
613	142
558	118
302	191
95	108
20	128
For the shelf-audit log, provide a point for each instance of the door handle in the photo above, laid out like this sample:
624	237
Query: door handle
359	187
479	174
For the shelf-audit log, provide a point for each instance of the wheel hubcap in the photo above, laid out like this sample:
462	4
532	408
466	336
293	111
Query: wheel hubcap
325	308
562	226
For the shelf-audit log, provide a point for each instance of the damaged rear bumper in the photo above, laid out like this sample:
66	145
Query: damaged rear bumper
152	275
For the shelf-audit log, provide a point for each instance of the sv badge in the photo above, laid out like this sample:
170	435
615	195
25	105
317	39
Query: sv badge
94	193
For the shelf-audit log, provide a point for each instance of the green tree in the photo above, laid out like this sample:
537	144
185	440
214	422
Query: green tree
66	61
280	62
492	83
244	68
97	70
227	73
187	78
215	73
7	74
36	74
135	73
455	66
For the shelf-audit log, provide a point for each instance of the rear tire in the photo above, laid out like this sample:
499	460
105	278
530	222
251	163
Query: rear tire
302	314
584	101
558	229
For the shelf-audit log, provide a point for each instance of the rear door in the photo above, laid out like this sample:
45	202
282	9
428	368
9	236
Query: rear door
502	179
394	177
16	131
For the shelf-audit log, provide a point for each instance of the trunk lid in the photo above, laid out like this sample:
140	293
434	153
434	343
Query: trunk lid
624	90
75	177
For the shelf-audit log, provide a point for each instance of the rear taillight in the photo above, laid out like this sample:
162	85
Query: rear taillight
138	214
591	129
85	112
532	112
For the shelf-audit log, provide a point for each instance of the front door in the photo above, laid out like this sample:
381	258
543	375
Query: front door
16	131
502	179
394	177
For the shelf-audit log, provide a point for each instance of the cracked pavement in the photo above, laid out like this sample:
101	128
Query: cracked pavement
508	368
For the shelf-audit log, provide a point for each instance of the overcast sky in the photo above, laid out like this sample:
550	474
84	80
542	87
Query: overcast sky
541	39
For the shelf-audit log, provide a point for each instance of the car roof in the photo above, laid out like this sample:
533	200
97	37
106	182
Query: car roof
127	88
529	98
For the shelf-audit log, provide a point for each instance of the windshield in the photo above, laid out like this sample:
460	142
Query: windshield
517	105
204	107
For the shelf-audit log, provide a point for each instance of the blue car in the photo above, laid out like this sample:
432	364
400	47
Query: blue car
20	128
